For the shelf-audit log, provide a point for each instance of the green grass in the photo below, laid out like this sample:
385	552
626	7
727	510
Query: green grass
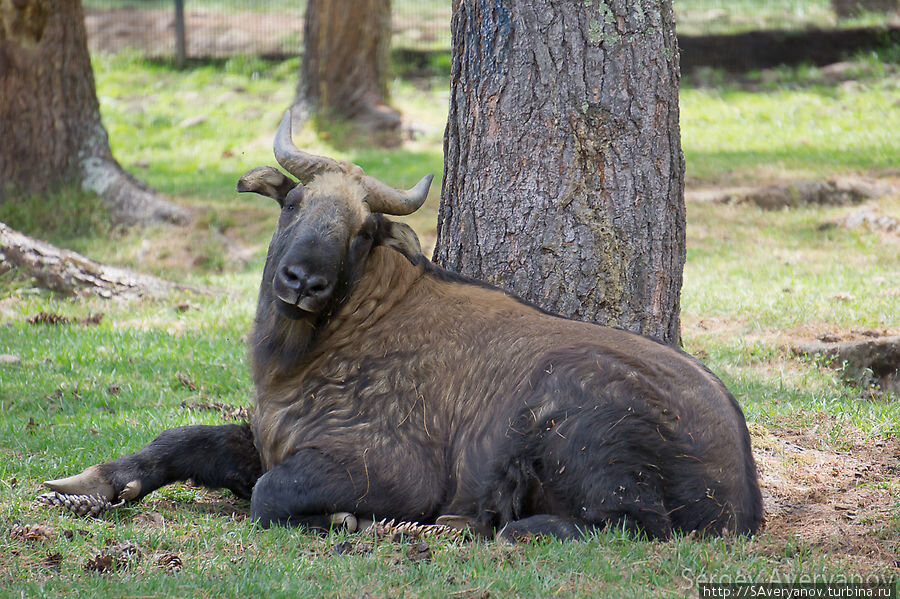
698	17
182	149
195	129
790	122
779	267
755	282
70	216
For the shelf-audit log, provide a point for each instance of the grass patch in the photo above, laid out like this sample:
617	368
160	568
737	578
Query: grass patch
790	122
700	17
195	128
193	132
70	216
755	281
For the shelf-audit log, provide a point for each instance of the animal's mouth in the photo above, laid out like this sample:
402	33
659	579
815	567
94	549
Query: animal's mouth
294	299
293	305
297	307
292	310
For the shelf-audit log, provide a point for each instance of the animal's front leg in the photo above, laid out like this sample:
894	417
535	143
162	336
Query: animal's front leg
304	489
213	456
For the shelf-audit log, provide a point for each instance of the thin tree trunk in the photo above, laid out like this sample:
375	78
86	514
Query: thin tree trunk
345	62
50	117
564	175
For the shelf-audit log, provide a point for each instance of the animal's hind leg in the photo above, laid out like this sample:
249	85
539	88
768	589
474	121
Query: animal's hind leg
638	514
618	498
639	517
607	491
308	489
213	456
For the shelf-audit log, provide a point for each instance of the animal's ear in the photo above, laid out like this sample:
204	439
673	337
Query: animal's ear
267	181
399	236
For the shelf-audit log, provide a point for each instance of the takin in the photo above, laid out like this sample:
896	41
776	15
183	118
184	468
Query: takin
388	387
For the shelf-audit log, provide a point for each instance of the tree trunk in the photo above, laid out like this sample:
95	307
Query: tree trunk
345	62
69	273
50	117
563	171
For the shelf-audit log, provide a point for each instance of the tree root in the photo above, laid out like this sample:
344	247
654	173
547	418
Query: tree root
130	201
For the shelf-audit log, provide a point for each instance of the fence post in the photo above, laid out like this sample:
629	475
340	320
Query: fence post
180	53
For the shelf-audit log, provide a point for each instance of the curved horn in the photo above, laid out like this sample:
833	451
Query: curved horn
379	196
302	165
387	200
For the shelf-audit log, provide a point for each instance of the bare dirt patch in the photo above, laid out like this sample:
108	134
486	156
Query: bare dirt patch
843	502
820	331
208	33
220	33
835	191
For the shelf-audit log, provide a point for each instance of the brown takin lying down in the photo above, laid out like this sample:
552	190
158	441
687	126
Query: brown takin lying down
388	387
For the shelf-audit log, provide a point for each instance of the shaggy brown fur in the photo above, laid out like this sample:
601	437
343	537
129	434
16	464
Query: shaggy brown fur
389	388
428	394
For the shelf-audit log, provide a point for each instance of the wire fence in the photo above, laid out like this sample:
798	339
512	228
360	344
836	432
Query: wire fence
221	28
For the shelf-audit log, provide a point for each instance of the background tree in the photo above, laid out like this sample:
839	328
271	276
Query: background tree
345	62
564	177
49	115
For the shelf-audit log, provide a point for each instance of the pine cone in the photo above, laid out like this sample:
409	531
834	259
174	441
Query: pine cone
81	505
32	532
391	529
171	562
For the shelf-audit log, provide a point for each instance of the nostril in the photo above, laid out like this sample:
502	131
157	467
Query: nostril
295	278
316	285
292	276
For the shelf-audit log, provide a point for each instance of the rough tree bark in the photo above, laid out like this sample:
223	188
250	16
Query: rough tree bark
50	118
345	62
563	171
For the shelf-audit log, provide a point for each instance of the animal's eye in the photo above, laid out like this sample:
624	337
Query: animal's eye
289	208
366	234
